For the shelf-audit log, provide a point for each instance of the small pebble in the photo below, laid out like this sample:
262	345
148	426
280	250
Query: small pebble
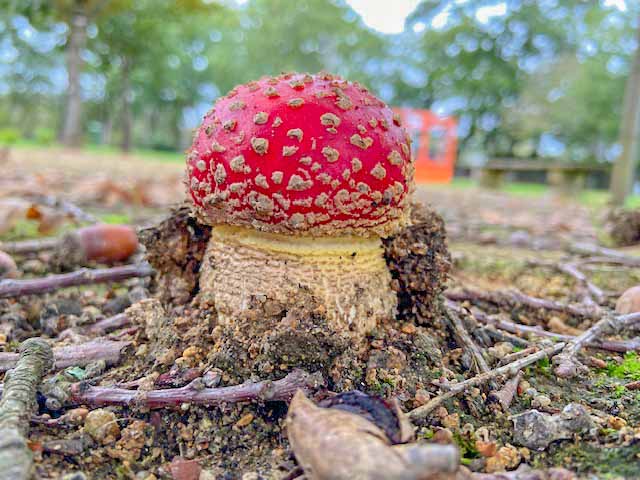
102	426
540	401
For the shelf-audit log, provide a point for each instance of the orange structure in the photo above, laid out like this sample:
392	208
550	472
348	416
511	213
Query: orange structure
434	143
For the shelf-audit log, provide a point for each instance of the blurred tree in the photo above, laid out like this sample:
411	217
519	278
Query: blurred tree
624	170
76	14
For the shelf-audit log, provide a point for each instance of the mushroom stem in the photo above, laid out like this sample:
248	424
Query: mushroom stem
251	274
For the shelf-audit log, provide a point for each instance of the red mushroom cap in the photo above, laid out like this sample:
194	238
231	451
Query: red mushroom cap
308	154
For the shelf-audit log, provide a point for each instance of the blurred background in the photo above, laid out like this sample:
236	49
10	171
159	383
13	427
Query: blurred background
523	80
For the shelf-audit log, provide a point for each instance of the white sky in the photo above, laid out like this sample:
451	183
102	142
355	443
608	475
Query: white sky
387	16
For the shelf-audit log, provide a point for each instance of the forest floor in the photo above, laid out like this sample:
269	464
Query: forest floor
500	244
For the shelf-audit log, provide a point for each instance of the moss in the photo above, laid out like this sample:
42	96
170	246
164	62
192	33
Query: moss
629	369
586	458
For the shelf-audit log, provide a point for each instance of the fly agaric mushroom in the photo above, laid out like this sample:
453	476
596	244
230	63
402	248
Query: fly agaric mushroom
300	176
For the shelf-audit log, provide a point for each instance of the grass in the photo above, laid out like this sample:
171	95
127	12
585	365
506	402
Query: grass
158	155
590	198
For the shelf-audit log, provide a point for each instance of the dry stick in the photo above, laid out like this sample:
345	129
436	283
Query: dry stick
610	254
620	346
66	207
464	340
515	297
567	363
84	276
101	327
572	270
75	355
456	388
30	246
266	391
505	396
18	405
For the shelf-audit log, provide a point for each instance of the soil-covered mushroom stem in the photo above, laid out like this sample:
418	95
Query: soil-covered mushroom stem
84	276
567	363
18	405
459	387
265	391
75	355
247	273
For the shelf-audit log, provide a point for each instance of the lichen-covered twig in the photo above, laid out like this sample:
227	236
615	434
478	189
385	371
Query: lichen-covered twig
511	298
620	346
195	393
75	355
459	387
84	276
17	406
567	364
465	341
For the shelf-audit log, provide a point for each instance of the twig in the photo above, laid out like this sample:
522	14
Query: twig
265	391
84	276
595	250
505	396
595	292
633	385
18	405
512	357
512	298
66	207
30	246
620	346
75	355
456	388
567	363
464	340
101	327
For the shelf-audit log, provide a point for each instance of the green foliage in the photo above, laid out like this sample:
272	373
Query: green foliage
9	136
629	369
44	136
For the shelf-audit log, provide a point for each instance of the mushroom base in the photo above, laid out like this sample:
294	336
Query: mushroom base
252	275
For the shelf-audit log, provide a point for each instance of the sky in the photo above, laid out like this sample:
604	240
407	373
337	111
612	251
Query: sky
386	16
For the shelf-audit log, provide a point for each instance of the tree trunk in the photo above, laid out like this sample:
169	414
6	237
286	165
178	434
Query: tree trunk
72	127
623	175
127	98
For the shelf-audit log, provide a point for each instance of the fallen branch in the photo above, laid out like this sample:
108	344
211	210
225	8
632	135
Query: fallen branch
101	327
595	293
465	341
65	207
264	391
30	246
513	298
567	363
586	249
620	346
75	355
459	387
18	405
84	276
